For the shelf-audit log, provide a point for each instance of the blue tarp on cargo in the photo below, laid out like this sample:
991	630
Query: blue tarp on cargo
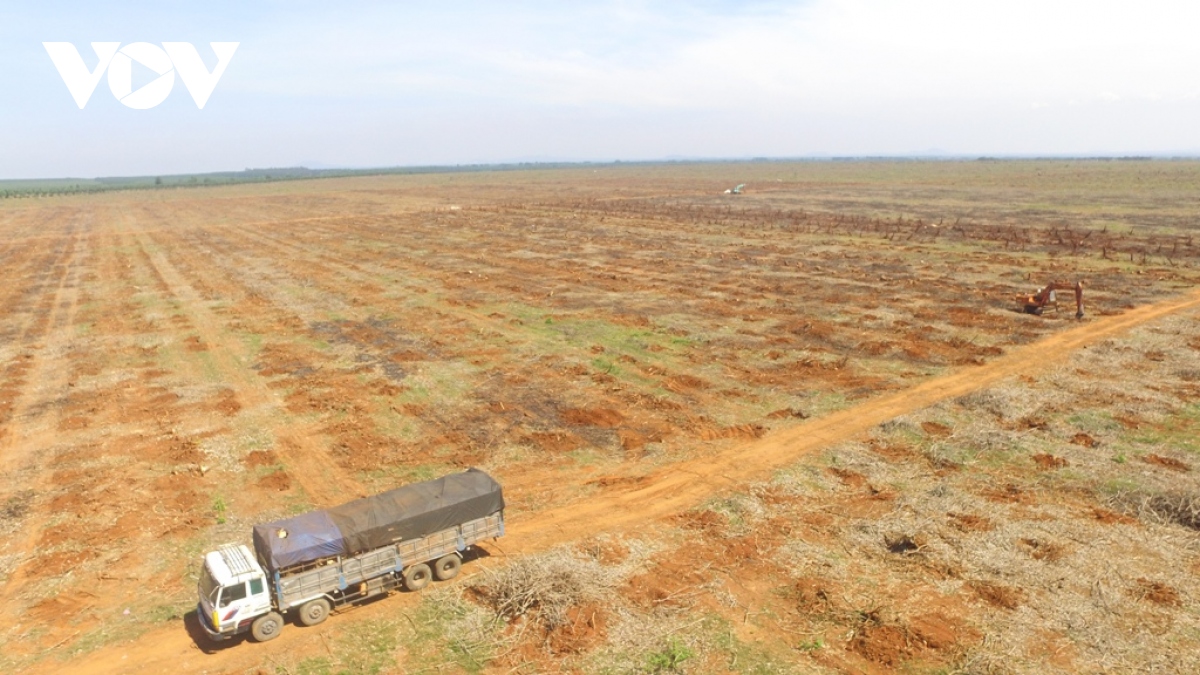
293	541
402	514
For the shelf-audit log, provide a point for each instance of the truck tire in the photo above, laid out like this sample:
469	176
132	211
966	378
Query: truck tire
417	577
313	612
267	627
447	567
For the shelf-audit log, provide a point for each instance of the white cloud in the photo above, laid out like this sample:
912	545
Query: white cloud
825	55
388	83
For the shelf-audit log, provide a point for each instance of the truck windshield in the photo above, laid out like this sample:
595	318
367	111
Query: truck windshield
207	586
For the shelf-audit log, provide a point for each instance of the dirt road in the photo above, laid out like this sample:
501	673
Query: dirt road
626	504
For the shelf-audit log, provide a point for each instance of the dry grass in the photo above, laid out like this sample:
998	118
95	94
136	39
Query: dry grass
545	587
1178	508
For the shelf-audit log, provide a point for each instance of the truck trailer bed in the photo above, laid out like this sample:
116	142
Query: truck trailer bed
340	577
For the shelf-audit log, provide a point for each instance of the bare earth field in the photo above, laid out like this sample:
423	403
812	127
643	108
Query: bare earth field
801	429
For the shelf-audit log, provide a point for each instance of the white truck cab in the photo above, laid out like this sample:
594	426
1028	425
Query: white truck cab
234	596
306	565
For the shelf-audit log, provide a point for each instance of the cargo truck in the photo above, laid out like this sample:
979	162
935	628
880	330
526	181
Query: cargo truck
309	564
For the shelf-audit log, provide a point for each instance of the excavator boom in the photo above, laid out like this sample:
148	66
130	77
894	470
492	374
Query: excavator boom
1046	296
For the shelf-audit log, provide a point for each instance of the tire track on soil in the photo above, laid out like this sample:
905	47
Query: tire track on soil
685	485
32	428
306	460
667	492
51	315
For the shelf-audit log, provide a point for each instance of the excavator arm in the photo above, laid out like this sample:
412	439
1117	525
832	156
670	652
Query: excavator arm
1036	303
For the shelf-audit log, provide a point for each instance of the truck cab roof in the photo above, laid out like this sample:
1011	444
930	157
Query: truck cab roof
231	564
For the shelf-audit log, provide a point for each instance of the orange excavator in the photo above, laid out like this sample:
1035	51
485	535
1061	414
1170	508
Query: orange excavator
1047	297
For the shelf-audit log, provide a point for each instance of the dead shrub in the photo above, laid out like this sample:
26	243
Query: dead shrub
546	588
985	400
904	544
1179	508
16	506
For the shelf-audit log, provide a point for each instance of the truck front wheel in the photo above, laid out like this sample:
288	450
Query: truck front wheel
267	627
447	567
417	577
314	612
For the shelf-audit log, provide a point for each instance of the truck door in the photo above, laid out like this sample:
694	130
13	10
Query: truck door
232	607
259	600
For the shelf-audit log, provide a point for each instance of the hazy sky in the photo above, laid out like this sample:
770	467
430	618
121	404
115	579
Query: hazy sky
385	84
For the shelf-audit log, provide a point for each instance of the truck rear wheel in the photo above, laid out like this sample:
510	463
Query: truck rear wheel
447	567
417	577
314	612
267	627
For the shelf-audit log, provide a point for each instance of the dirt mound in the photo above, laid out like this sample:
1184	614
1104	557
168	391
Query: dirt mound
967	522
1111	517
681	384
633	440
788	413
849	478
816	596
735	431
555	442
1084	440
1009	493
278	481
1167	462
669	583
260	458
585	627
227	403
1047	461
707	521
930	637
935	429
195	344
883	644
605	418
1040	549
1157	592
998	595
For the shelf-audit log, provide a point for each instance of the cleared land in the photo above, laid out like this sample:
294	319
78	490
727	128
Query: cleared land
797	429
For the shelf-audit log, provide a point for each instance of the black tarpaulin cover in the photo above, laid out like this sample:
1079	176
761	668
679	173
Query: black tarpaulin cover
404	513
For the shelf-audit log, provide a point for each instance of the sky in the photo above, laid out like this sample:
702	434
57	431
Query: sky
371	84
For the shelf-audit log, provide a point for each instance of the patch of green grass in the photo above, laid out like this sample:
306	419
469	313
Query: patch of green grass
1094	421
606	366
1181	431
586	456
750	658
371	650
670	657
400	475
208	365
448	630
163	613
253	343
734	508
219	507
811	645
1119	485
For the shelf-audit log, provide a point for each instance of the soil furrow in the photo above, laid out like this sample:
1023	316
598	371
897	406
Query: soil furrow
677	488
307	461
